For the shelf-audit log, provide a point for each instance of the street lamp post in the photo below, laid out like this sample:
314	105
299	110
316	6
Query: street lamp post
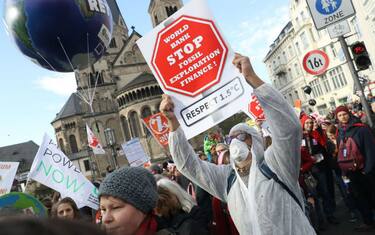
111	141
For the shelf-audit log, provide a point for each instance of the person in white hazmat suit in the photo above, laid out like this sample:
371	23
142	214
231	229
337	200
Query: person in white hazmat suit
257	204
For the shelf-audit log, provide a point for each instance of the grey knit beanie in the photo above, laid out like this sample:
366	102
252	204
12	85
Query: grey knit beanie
133	185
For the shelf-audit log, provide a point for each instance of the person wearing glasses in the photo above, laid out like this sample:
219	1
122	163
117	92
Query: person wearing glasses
257	203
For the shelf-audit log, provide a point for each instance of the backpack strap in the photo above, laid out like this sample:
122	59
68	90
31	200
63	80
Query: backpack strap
231	179
269	174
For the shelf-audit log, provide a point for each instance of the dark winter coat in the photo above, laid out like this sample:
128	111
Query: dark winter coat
183	223
363	137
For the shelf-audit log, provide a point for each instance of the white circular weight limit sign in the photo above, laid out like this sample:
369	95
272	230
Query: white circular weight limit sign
315	62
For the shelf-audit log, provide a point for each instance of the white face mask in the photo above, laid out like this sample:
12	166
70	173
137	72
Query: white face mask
239	150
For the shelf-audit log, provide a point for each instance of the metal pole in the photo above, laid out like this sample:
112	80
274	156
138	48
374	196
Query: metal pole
91	163
354	73
114	155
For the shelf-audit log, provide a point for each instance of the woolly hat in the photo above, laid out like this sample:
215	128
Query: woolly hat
133	185
303	119
340	109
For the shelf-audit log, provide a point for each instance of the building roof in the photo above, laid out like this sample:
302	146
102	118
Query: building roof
133	34
72	107
143	78
281	35
23	153
114	9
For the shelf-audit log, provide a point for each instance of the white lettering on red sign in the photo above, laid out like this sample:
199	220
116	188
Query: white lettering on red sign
189	56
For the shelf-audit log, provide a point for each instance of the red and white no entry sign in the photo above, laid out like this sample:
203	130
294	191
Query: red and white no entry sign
315	62
189	56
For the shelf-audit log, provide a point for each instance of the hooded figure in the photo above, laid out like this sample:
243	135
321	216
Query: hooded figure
258	205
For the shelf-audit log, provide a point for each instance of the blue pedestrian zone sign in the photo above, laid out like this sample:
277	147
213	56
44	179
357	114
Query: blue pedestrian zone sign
328	12
327	7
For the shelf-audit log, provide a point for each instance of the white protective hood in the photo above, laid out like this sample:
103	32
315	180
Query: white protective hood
263	206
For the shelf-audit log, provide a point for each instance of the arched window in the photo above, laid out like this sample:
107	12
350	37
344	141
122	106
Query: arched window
146	112
134	124
61	144
139	95
73	144
159	90
152	91
170	10
96	78
148	93
125	127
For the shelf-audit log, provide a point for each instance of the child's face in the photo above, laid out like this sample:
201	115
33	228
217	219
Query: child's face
331	136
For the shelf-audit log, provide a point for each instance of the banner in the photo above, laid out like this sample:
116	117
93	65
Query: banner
157	124
255	110
55	170
8	171
93	142
192	63
135	153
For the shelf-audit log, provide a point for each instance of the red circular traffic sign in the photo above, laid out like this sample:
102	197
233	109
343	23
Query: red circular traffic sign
189	56
315	62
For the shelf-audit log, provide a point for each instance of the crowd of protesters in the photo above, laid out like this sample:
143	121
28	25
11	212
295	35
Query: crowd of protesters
248	182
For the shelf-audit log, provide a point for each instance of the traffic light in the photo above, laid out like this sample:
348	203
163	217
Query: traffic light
307	89
312	102
360	55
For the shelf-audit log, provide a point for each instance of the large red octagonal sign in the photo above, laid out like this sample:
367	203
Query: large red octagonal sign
189	56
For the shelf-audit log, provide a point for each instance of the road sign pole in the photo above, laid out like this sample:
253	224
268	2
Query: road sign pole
354	73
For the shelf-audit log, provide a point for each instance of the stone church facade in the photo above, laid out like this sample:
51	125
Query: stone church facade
126	91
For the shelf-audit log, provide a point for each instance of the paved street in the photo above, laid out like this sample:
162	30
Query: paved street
345	227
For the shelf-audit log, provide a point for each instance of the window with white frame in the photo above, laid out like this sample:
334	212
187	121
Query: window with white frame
333	49
296	95
355	25
305	40
291	52
283	58
290	74
316	88
326	85
296	68
297	46
338	77
312	35
290	98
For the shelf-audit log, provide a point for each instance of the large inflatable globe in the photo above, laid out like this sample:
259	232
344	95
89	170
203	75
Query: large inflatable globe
22	203
60	35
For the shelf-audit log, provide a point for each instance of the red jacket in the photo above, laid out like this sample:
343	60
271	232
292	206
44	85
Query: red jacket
222	223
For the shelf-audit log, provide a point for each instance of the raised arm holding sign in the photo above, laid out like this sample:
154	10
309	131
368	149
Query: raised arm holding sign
257	203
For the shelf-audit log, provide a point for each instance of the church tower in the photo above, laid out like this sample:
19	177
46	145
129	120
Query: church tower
160	10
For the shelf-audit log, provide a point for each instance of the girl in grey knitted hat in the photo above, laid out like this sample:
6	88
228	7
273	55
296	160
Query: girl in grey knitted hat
127	198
